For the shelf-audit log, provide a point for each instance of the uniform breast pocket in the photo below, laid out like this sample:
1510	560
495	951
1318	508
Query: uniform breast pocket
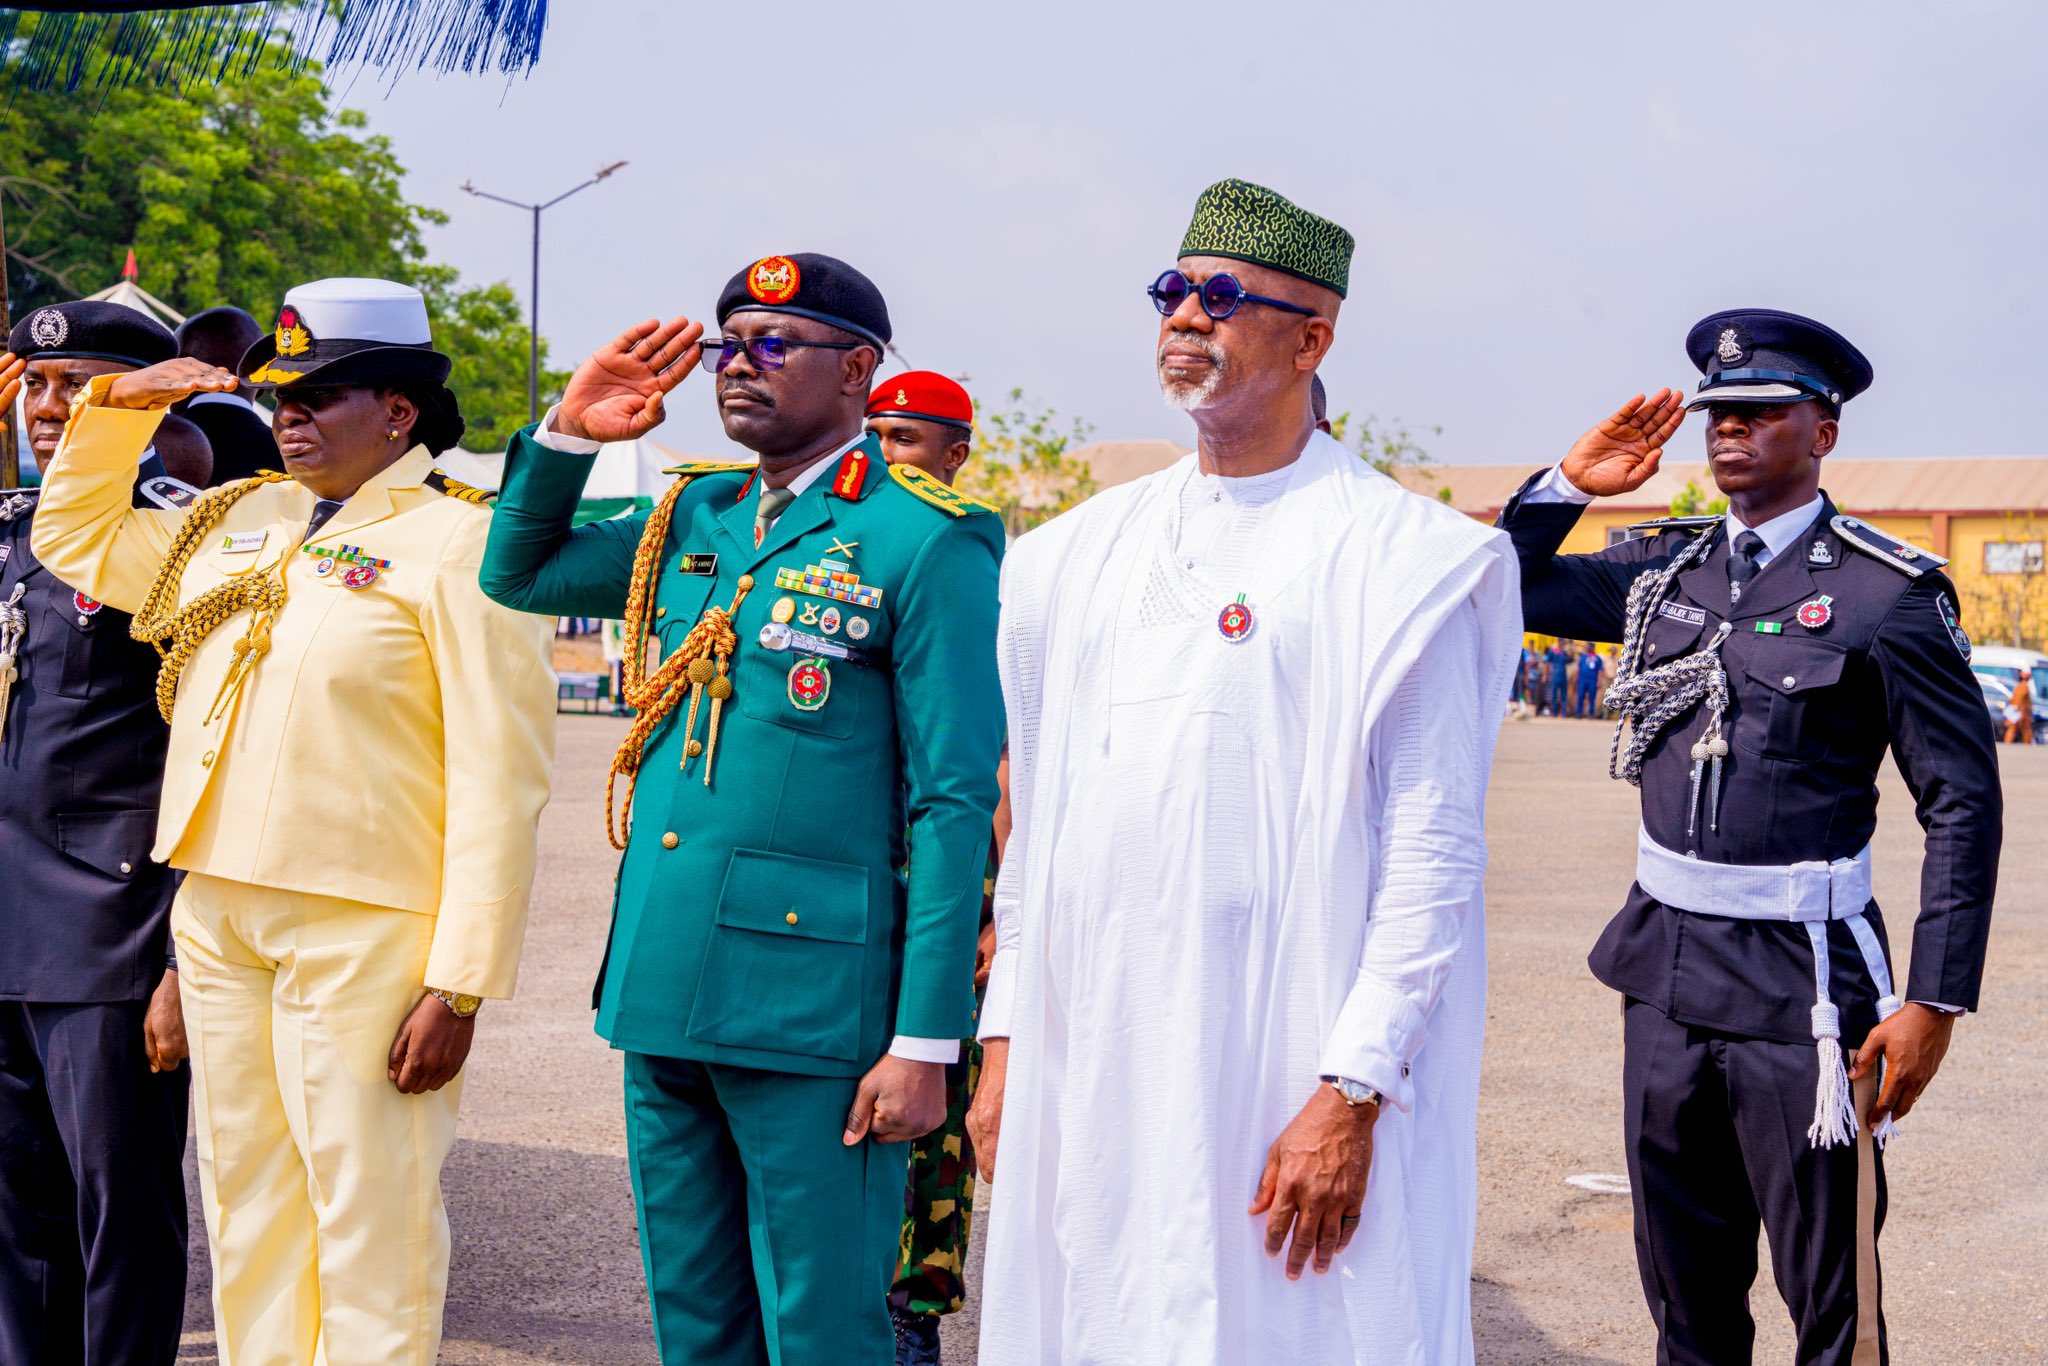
811	693
1667	637
94	639
1794	679
785	969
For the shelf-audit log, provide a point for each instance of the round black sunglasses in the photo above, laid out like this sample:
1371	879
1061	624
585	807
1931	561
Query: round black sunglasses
1220	296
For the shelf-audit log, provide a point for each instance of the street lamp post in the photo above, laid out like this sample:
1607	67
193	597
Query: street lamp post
533	294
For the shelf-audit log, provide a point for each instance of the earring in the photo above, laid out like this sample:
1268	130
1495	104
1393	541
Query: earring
391	433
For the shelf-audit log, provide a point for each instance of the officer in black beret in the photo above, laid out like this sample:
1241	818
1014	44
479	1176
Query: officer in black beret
1769	659
93	1077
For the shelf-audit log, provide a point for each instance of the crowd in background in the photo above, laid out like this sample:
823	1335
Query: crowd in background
1561	678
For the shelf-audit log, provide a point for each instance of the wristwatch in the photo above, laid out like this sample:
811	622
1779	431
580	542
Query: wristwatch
463	1006
1355	1093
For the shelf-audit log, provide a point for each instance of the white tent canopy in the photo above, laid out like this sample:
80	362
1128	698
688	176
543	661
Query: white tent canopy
128	294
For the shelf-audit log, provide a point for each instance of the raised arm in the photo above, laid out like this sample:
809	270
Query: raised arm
86	531
1583	596
535	561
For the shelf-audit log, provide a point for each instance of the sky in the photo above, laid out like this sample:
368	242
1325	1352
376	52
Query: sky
1545	197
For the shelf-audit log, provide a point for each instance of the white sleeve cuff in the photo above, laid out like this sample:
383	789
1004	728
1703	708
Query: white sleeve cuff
1553	487
915	1049
555	441
1001	995
1377	1032
1936	1005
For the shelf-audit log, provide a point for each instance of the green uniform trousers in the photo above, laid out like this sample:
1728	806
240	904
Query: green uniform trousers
724	1157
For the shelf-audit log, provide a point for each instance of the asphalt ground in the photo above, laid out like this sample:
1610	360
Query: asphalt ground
546	1263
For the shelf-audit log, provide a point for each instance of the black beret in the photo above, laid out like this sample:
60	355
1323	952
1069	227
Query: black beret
1760	355
92	330
822	288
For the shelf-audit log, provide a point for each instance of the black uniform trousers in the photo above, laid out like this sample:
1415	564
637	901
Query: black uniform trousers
1716	1132
92	1189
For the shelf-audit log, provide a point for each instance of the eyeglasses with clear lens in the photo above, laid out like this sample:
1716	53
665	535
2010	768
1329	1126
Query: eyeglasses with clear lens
763	353
1220	296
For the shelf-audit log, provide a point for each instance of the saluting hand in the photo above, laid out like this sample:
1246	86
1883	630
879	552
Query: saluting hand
1621	454
431	1047
12	367
617	394
161	385
1912	1043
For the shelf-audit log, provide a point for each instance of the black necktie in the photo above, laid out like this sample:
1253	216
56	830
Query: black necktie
1742	565
325	508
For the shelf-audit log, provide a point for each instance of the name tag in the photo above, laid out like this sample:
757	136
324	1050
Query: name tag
1678	611
243	542
696	564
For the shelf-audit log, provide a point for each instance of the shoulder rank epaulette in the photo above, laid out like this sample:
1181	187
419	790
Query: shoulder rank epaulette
1677	523
166	492
937	492
1903	556
455	488
695	467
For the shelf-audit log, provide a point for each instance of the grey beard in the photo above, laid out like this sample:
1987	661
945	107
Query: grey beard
1191	397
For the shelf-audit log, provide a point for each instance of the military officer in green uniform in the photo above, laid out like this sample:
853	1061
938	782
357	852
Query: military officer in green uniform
810	643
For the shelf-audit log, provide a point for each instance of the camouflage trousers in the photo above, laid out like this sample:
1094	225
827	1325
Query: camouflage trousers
938	1203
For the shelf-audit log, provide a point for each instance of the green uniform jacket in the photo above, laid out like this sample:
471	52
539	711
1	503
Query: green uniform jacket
777	932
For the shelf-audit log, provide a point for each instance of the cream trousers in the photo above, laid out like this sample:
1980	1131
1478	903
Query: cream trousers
321	1183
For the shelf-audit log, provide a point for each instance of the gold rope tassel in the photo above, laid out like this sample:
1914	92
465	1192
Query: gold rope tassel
698	665
160	619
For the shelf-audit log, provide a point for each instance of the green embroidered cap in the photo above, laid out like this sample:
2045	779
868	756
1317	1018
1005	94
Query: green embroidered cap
1248	222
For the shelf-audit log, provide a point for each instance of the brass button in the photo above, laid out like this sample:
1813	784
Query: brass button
669	841
746	583
661	611
206	759
791	917
127	867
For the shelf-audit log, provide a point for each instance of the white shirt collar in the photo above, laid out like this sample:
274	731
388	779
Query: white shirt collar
1780	531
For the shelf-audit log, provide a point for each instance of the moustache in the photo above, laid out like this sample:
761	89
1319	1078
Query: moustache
736	387
1190	341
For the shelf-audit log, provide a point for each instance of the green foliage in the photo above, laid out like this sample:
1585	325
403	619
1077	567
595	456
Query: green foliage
1019	463
1692	501
232	195
1390	450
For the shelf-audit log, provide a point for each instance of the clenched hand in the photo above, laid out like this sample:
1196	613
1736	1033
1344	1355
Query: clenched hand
1912	1043
896	1101
163	1023
431	1047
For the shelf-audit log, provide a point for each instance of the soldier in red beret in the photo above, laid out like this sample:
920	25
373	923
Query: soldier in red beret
923	419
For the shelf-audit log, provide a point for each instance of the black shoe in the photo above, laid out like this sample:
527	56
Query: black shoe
917	1338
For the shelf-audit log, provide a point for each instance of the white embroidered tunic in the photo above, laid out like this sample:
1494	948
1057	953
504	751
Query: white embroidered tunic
1237	865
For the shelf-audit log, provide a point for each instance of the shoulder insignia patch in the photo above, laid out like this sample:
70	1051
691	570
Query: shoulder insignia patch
455	488
1676	523
17	502
937	492
167	492
1903	556
696	467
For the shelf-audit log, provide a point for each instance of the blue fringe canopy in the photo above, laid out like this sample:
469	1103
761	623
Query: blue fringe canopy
103	44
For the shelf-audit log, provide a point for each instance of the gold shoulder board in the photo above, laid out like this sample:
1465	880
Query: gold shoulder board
455	488
696	467
938	493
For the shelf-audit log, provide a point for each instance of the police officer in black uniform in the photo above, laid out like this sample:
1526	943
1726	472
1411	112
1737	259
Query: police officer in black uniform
93	1078
1769	660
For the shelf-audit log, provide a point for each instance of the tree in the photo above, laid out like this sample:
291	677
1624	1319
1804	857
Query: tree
1691	501
1019	463
232	195
1390	450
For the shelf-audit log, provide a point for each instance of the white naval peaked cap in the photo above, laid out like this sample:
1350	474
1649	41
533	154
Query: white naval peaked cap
355	308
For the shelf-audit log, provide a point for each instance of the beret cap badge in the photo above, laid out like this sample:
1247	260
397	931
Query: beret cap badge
292	337
774	280
48	328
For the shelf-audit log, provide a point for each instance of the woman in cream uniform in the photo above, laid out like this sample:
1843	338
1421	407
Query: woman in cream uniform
360	749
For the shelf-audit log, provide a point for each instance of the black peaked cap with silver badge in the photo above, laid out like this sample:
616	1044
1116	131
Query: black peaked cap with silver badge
1761	355
92	329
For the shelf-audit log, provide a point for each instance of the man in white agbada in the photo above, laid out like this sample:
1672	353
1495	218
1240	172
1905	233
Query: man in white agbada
1235	1014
